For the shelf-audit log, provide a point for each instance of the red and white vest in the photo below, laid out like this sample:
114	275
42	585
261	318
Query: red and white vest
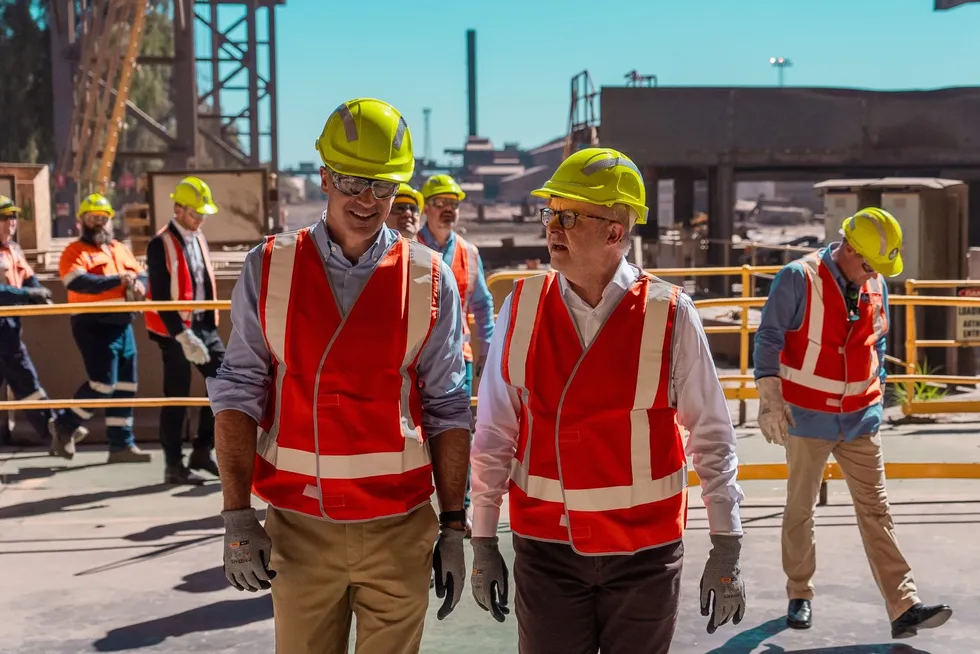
830	364
600	460
466	269
342	436
181	283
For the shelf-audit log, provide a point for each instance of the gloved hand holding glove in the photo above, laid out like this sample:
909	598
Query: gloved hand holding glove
775	416
449	567
38	295
489	579
248	549
195	350
722	578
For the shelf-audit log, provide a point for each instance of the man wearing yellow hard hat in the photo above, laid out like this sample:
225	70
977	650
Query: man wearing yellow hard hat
346	357
98	268
593	368
406	212
178	264
819	369
442	198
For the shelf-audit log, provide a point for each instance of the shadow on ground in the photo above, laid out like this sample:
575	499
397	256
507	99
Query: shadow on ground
749	642
204	581
68	502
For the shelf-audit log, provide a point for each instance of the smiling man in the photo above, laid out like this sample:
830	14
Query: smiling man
346	357
592	368
406	212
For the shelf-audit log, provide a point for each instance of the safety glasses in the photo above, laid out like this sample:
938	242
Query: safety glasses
442	203
566	218
399	207
354	186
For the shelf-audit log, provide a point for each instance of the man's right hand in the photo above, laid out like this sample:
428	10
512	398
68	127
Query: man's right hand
247	551
194	348
775	416
38	295
489	578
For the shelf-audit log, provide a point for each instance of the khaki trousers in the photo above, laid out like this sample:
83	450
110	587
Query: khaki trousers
327	572
863	466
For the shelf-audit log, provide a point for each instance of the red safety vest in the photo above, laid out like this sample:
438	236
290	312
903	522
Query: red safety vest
181	284
830	363
342	434
600	460
466	268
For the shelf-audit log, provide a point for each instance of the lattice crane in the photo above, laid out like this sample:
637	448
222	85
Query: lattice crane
583	119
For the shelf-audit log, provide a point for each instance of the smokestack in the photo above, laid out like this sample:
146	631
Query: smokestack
471	77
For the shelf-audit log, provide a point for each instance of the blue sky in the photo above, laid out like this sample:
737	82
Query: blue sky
413	55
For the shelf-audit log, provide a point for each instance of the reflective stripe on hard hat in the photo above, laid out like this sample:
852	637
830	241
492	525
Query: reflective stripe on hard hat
602	164
347	118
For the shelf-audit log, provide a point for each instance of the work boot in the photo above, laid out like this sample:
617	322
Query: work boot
63	439
181	476
203	460
799	615
920	616
131	454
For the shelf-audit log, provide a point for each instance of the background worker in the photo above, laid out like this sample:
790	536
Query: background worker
442	196
98	268
360	403
592	368
179	267
406	212
20	286
819	368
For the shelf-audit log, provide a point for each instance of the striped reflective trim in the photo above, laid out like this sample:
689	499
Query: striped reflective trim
39	394
422	269
99	387
355	466
126	387
396	142
82	413
523	314
612	162
173	263
72	275
117	421
473	270
350	127
817	383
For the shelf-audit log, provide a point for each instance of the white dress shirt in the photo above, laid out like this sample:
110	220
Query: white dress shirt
694	392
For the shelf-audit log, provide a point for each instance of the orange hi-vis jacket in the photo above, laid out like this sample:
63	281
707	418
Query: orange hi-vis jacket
830	363
342	435
181	282
600	461
13	263
81	257
465	267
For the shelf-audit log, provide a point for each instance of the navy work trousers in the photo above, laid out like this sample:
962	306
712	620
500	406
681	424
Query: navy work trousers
17	370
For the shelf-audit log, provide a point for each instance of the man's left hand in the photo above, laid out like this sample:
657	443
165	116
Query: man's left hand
722	589
450	569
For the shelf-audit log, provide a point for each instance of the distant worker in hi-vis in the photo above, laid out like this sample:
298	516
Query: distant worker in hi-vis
592	370
819	368
406	213
346	360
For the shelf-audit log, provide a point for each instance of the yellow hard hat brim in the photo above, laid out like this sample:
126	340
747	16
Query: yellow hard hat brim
366	173
9	210
888	268
208	209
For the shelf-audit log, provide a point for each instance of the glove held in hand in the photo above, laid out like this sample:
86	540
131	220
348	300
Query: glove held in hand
490	579
722	589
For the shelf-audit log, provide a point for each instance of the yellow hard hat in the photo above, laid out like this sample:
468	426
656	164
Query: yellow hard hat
7	206
442	185
96	203
194	193
406	192
876	235
600	176
369	138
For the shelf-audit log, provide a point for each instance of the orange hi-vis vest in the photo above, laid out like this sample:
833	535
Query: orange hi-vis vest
181	282
466	268
342	436
830	363
600	461
16	270
81	257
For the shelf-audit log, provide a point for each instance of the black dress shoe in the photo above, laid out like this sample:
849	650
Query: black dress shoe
920	616
181	476
798	615
203	460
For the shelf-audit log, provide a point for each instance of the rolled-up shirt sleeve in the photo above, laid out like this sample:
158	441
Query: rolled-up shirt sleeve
495	440
242	380
702	409
441	367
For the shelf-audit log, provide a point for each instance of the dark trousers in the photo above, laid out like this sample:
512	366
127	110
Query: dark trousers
177	383
17	370
575	604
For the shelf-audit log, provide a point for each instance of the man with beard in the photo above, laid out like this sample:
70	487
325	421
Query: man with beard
442	196
19	285
98	268
406	213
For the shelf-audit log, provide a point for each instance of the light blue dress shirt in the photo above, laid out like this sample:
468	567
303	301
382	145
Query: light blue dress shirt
783	312
243	380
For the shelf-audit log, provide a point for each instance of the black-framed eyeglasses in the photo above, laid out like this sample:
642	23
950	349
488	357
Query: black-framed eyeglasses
442	203
354	186
566	218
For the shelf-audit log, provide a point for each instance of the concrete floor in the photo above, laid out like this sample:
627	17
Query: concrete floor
100	559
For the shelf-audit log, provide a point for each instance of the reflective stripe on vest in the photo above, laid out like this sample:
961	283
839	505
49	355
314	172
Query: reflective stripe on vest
181	280
466	270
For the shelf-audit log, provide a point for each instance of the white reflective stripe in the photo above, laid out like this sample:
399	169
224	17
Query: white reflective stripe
172	264
99	387
420	265
472	265
126	387
39	394
72	275
355	466
82	413
815	315
522	318
824	385
648	375
116	421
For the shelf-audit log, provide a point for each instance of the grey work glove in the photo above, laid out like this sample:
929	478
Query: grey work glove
38	295
721	584
247	551
489	579
194	348
449	567
775	416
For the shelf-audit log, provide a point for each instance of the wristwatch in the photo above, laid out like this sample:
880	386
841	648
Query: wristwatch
446	518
